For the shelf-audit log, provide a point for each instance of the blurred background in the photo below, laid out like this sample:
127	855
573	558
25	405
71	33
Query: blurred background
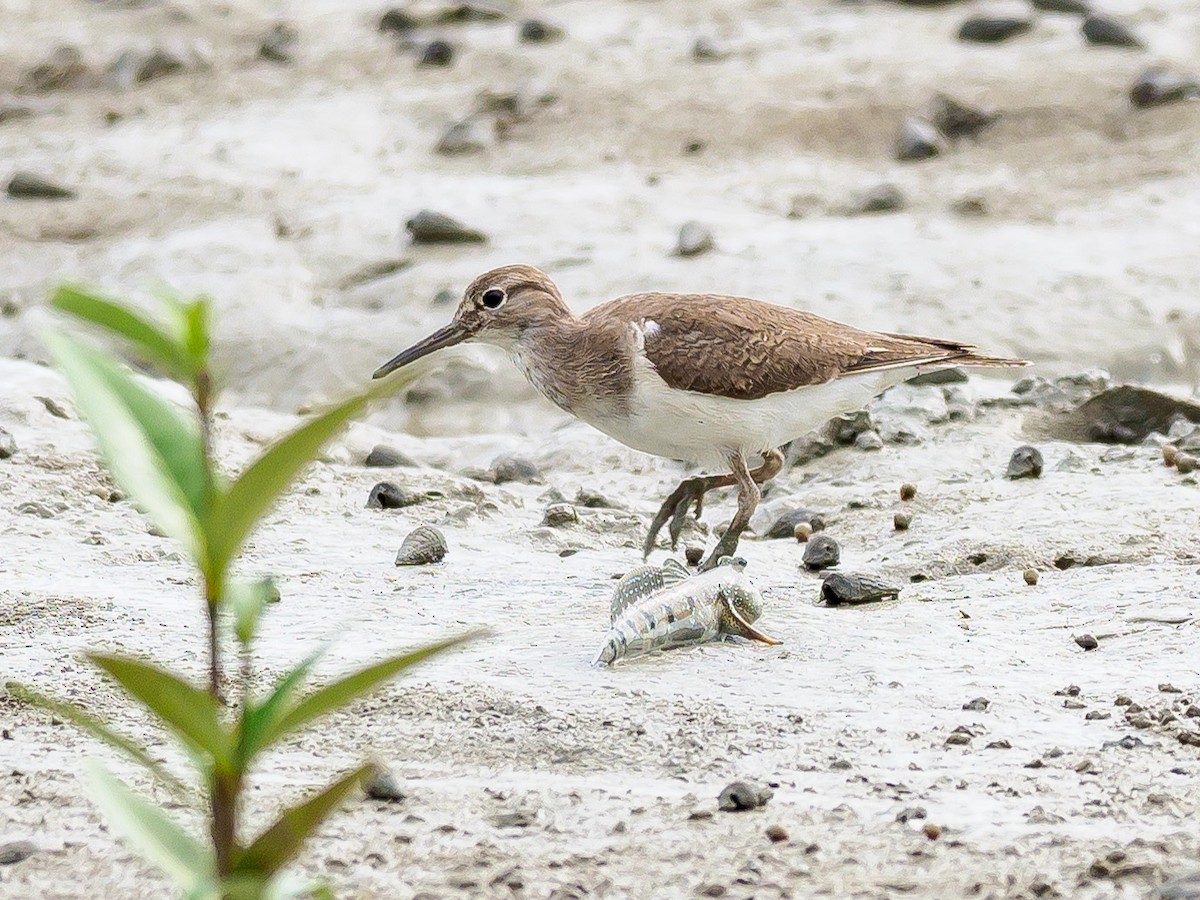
1024	177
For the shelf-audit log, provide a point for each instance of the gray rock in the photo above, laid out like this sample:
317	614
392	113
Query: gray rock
423	545
436	55
462	138
16	851
382	785
398	21
918	140
909	813
842	587
1087	641
560	515
694	239
706	50
12	112
508	468
1125	414
1071	7
134	67
28	186
955	119
992	29
868	441
465	13
278	44
878	199
1025	462
1158	85
384	457
821	552
8	445
784	526
62	70
743	795
428	227
1105	32
538	31
387	495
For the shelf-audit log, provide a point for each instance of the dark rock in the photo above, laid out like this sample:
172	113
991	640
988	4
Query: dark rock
693	554
464	13
992	29
387	495
918	140
514	468
743	795
559	515
1087	641
842	587
901	521
908	491
1124	414
777	834
28	186
1158	85
12	112
1071	7
1025	462
424	545
461	138
8	445
878	199
381	785
820	552
15	851
694	239
384	457
398	21
278	43
1105	32
437	54
958	120
958	738
590	499
706	50
137	67
428	227
537	31
785	525
979	704
62	70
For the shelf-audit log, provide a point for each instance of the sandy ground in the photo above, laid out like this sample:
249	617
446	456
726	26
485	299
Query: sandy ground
529	772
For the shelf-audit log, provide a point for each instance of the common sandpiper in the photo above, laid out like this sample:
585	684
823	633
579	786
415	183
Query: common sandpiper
710	379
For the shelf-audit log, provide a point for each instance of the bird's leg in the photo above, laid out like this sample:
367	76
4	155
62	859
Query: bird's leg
748	497
692	490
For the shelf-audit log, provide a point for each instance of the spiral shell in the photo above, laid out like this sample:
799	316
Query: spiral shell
841	587
424	545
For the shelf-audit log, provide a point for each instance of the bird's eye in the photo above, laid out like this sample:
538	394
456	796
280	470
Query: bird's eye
493	299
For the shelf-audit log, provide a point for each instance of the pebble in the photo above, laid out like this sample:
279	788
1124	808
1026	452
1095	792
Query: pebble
381	785
278	43
1106	32
901	521
8	445
460	138
1031	577
508	468
956	120
387	495
15	851
785	525
918	139
385	457
908	491
803	532
909	813
589	499
743	795
397	21
428	227
63	69
424	545
777	834
820	552
693	553
135	67
694	239
1025	462
841	587
461	13
958	739
558	515
706	50
992	30
880	198
537	31
1071	7
979	704
1185	463
868	441
1158	85
1169	454
931	831
1087	641
437	54
28	186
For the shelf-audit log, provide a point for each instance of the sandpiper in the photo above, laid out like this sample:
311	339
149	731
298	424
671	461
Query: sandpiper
705	378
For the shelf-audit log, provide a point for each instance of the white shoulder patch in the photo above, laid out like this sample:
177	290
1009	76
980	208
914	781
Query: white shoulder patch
650	328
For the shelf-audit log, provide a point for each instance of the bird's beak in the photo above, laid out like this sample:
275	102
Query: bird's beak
452	334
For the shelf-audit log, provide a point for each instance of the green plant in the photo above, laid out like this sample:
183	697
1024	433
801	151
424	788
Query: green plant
162	455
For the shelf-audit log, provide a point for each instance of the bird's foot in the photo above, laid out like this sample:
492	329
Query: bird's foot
675	509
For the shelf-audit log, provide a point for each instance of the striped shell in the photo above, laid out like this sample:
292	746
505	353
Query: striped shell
424	544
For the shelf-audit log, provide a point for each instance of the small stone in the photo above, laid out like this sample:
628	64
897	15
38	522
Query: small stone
901	521
841	587
387	495
537	31
911	813
1073	704
1035	764
908	491
917	140
8	445
15	851
1169	454
999	745
437	54
958	739
992	29
424	545
1026	462
397	21
1071	7
508	468
979	704
931	831
820	552
804	531
278	43
1106	32
955	119
1168	688
428	227
880	198
868	441
28	186
590	499
1157	85
462	13
970	206
714	890
461	138
694	239
1097	715
384	457
1087	641
559	515
1031	577
706	50
693	554
777	834
381	785
785	525
1186	463
743	795
135	67
63	69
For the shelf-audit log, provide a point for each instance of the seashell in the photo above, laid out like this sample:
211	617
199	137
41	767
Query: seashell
387	495
821	552
424	545
843	587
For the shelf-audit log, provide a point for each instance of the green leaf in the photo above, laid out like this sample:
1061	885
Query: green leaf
95	727
260	720
237	510
144	825
351	687
149	339
284	886
197	334
188	711
249	599
273	848
155	451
